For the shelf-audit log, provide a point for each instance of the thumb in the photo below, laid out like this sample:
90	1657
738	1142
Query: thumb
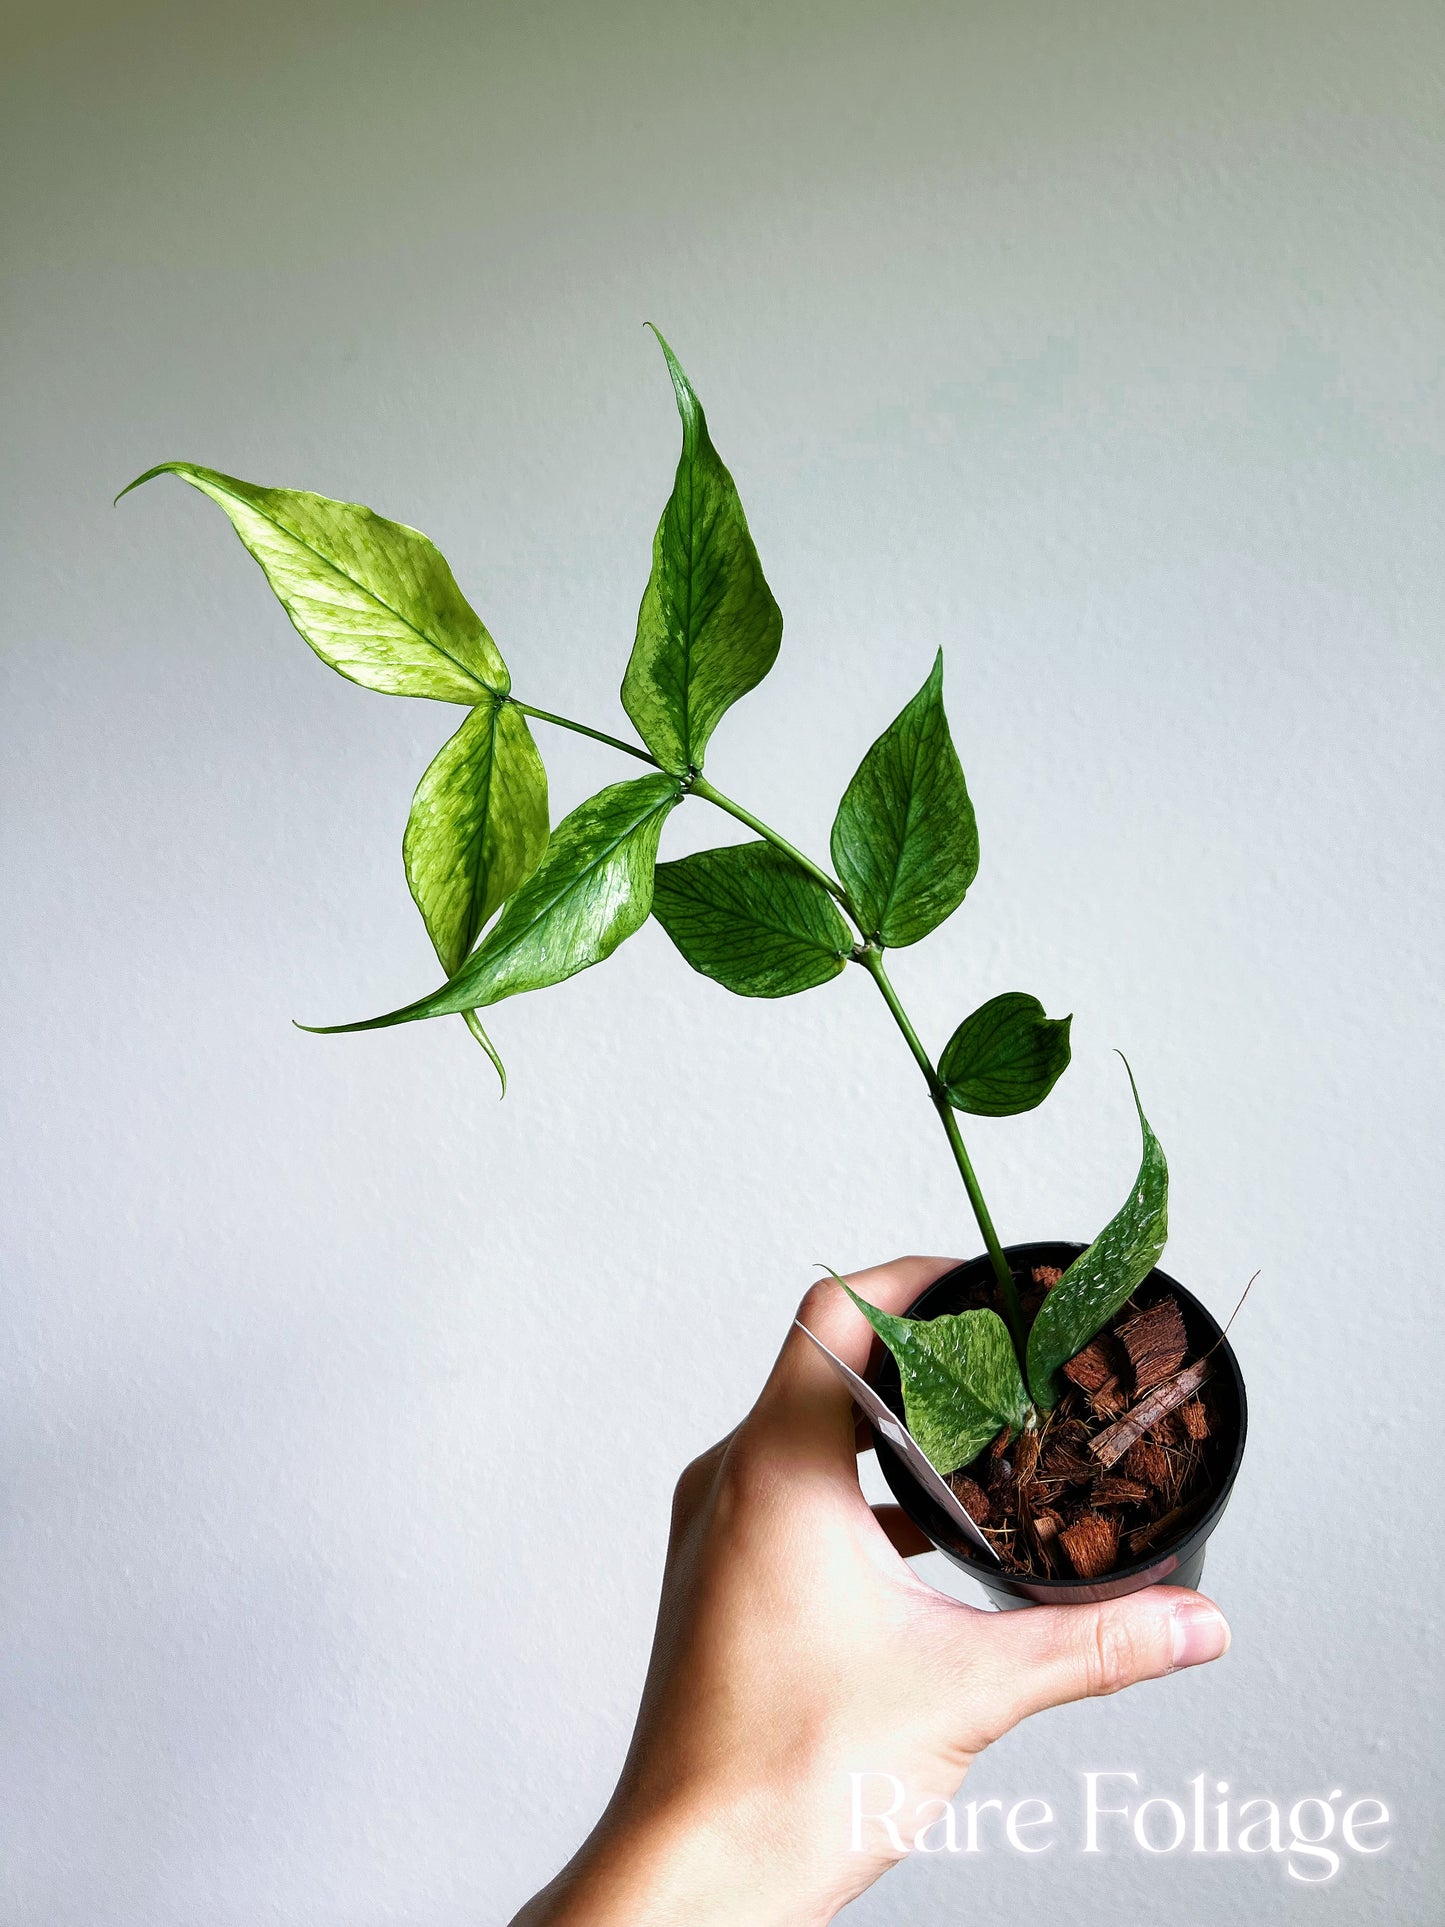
1048	1655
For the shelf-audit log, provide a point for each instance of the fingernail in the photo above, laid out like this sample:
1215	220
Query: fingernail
1200	1633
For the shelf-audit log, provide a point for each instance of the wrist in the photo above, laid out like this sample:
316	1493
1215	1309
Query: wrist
695	1864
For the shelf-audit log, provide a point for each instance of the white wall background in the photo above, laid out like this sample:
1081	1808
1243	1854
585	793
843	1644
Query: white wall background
1100	345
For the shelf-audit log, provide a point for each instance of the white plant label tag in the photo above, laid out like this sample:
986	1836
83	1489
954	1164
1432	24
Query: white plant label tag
907	1447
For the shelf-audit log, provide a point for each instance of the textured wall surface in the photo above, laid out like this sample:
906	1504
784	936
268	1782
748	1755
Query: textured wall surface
1100	345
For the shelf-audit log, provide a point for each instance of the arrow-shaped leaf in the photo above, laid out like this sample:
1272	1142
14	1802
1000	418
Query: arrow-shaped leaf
591	890
905	842
1102	1278
749	918
961	1381
373	598
1006	1057
477	829
708	629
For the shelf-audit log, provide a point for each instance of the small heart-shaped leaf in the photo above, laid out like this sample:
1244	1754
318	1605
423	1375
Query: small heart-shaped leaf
1005	1058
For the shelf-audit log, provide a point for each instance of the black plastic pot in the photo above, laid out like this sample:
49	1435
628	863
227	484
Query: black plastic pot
1176	1563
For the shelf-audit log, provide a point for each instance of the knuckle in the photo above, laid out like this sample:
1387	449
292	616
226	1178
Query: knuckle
1112	1655
745	1469
724	1482
749	1485
693	1483
816	1298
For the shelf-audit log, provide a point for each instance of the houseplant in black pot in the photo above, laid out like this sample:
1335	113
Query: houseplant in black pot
1085	1409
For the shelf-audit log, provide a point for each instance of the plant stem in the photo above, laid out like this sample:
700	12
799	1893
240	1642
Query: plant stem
581	729
701	787
871	959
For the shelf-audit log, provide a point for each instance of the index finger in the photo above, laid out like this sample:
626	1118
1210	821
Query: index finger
803	1396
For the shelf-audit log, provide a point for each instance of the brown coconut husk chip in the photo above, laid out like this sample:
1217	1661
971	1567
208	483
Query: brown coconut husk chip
1046	1525
1091	1368
1109	1401
972	1497
1064	1462
1092	1543
1156	1342
1195	1419
1148	1463
1113	1490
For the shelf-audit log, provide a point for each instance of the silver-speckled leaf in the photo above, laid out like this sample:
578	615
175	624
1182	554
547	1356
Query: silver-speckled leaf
1100	1280
373	598
961	1379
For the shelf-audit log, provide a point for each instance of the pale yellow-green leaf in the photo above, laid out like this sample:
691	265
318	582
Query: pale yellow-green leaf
373	598
477	829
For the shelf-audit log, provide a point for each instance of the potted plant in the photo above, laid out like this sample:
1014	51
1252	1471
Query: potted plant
1084	1407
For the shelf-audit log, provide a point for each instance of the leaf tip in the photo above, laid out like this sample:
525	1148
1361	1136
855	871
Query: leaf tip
340	1030
1133	1087
861	1303
161	468
688	405
474	1025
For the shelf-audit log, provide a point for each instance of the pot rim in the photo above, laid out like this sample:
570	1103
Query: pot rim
1044	1251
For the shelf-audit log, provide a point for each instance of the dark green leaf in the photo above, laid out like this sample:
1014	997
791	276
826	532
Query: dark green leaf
592	889
373	598
749	918
905	843
1006	1057
477	829
708	629
961	1381
1101	1279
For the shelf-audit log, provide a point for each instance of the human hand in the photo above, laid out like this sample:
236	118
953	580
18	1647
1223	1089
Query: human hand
795	1647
